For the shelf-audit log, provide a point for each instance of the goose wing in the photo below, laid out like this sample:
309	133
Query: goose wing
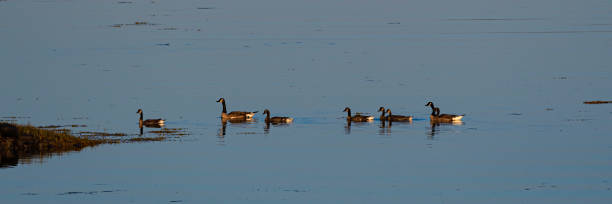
241	114
361	118
281	119
400	118
451	116
155	123
151	121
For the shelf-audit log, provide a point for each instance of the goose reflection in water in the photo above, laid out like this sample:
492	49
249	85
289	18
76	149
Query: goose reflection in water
384	129
232	121
349	124
347	127
391	122
149	126
435	127
268	124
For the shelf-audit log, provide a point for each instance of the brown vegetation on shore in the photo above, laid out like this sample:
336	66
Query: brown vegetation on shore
18	141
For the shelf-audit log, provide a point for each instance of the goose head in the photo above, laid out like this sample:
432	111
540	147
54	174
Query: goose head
429	104
381	109
139	111
266	112
347	109
221	100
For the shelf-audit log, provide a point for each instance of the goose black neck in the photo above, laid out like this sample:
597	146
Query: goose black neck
267	115
349	114
224	109
382	115
140	115
433	108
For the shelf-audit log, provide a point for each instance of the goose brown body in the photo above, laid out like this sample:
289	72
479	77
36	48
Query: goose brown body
397	118
437	117
276	119
357	117
447	117
149	122
234	114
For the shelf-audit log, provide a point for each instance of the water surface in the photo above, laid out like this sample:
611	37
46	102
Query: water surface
518	70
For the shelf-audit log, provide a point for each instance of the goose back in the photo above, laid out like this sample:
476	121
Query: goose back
397	118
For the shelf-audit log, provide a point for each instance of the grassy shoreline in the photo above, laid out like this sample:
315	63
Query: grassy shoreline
18	141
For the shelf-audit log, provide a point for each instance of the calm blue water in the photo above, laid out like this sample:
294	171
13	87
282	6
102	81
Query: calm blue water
519	70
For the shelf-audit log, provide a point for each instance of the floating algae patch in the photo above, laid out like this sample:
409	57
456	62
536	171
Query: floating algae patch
171	131
12	119
60	126
15	117
137	23
246	133
89	192
50	126
146	139
101	134
24	141
597	102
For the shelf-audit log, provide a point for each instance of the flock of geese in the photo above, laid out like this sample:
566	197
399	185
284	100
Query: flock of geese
386	115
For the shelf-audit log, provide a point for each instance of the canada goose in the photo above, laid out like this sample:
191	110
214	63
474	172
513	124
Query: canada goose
276	119
382	115
234	114
448	117
435	115
357	117
150	122
398	118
